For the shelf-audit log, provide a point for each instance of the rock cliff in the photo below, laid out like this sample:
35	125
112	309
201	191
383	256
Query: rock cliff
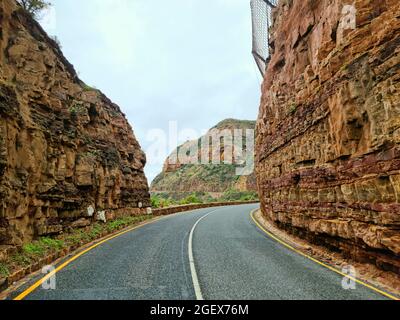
179	180
328	133
67	153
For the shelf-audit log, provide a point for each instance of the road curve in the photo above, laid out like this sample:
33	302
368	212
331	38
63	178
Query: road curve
232	259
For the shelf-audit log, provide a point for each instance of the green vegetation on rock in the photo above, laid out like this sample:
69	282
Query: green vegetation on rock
40	247
4	272
168	199
34	7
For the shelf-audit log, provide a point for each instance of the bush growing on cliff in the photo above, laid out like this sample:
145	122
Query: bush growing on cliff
4	272
160	202
192	199
233	195
34	7
155	201
40	247
165	199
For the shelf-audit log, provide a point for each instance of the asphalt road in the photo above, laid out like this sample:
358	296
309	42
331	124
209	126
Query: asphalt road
233	259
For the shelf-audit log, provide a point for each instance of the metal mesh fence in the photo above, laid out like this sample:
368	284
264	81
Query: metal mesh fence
261	11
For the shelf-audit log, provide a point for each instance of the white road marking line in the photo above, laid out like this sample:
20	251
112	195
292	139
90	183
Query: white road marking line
195	279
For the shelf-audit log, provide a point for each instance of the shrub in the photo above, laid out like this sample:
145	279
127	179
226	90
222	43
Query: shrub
4	272
192	199
34	7
233	195
33	249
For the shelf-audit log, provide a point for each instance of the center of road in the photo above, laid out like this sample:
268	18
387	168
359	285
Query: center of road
195	279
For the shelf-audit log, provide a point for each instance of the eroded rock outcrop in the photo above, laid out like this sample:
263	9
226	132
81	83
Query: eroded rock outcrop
179	180
328	133
67	153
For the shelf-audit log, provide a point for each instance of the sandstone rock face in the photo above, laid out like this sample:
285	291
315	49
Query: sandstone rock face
328	133
66	151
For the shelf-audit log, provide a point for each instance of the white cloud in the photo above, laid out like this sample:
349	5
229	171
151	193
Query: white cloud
183	60
118	27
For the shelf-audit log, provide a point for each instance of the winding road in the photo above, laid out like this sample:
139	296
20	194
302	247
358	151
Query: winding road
214	253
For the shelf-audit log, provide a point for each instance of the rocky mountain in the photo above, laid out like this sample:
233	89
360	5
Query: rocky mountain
68	156
208	180
328	143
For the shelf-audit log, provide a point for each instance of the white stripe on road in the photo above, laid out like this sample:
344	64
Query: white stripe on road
195	279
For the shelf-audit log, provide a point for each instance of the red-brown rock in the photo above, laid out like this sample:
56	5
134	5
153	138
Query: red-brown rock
328	144
64	147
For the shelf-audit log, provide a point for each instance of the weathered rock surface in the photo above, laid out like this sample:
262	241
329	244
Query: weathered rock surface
328	133
66	151
196	176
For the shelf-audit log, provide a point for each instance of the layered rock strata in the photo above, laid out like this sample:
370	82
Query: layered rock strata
328	133
68	156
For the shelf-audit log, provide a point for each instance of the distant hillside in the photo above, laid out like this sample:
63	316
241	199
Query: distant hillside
208	182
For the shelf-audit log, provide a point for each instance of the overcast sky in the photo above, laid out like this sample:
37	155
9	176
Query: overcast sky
178	60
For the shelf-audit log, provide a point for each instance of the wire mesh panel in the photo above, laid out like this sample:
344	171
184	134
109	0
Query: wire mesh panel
261	11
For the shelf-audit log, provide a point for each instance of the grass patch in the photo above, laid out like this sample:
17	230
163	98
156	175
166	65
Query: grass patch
77	237
4	272
96	231
21	259
34	249
40	247
116	224
52	244
124	222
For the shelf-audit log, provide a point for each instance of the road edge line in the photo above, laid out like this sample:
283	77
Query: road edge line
195	278
33	287
272	236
